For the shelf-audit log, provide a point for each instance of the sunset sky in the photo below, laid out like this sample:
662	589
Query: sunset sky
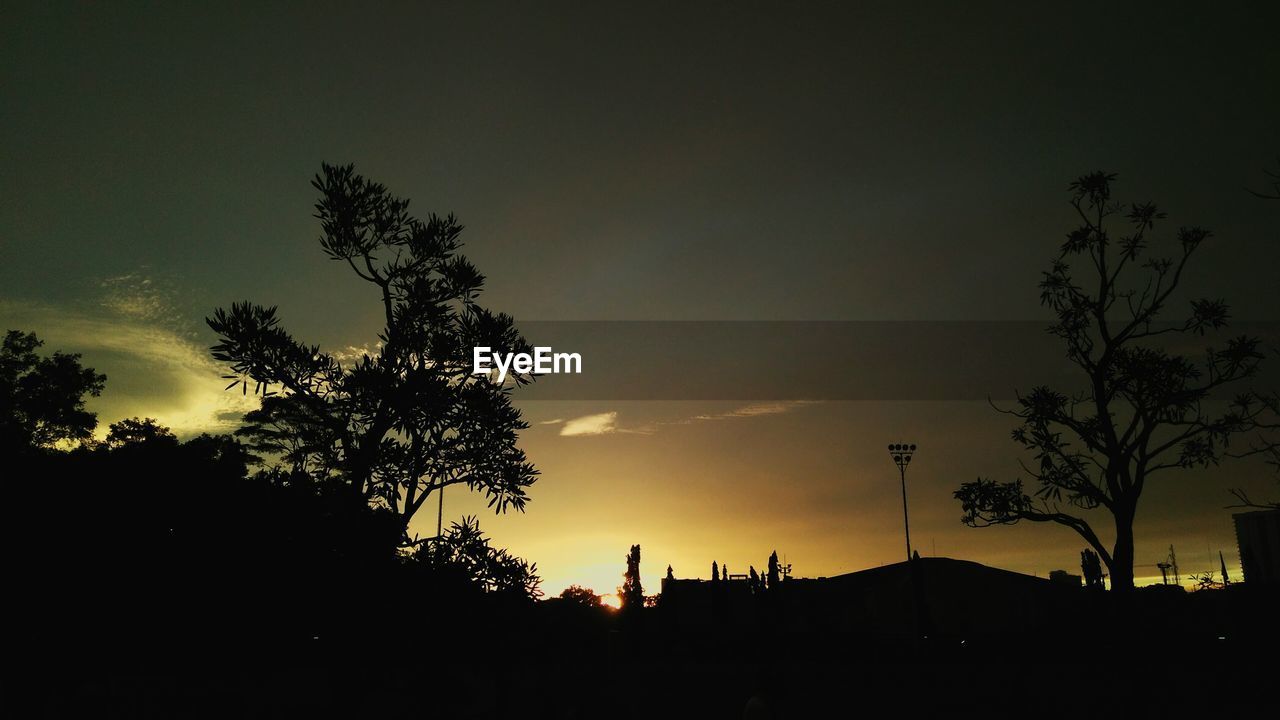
678	162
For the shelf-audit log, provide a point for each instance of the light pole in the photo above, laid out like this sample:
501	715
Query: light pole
901	454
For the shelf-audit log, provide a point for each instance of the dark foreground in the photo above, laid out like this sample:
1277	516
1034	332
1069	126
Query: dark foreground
1213	654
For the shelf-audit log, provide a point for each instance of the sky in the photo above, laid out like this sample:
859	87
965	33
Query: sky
660	161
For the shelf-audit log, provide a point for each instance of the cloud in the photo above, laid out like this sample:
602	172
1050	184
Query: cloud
607	423
354	353
756	410
137	297
599	424
154	367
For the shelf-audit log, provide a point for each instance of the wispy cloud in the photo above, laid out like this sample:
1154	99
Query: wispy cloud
755	410
599	424
154	367
136	296
607	423
354	353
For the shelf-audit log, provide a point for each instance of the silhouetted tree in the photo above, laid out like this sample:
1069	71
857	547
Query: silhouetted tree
1143	409
42	398
582	596
464	551
670	573
772	576
408	418
1091	568
135	431
754	579
715	572
287	428
631	594
1206	581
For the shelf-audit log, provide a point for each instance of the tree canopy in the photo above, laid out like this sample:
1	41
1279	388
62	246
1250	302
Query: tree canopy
631	594
1144	406
42	399
407	418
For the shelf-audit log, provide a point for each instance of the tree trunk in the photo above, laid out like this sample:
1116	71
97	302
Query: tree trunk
1122	554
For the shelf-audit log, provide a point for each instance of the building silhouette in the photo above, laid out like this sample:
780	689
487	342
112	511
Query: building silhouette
1258	538
929	596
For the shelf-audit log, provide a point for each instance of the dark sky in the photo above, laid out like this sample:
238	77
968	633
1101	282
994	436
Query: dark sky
793	161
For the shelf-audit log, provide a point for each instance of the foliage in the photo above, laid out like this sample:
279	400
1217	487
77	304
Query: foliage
42	398
579	595
631	593
288	428
408	418
1143	409
1206	581
1091	568
135	431
464	552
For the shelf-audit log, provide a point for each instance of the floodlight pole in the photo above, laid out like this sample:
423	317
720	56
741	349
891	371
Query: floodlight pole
901	454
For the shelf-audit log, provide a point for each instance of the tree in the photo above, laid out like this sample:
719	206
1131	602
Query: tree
408	418
715	572
1206	581
1248	502
464	552
772	576
1143	410
42	398
1091	567
631	594
135	431
285	427
579	595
